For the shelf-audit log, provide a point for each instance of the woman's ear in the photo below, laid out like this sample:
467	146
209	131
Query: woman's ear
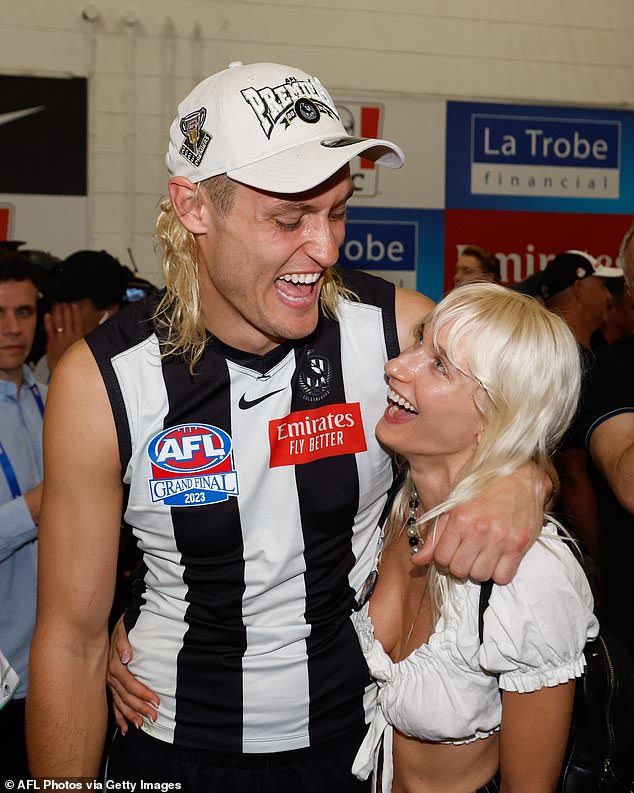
189	208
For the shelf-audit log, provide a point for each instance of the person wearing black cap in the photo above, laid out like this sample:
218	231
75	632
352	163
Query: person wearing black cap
573	286
607	427
85	289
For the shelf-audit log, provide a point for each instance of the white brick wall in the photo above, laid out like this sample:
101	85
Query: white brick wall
143	55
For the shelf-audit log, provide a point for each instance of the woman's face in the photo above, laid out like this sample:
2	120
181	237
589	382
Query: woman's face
431	408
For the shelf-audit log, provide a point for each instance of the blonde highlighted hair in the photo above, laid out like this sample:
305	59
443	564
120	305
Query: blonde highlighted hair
178	316
527	363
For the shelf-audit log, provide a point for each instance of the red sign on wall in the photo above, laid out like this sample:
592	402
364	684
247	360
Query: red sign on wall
526	241
5	217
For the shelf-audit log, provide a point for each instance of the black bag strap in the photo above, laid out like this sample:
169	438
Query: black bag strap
486	587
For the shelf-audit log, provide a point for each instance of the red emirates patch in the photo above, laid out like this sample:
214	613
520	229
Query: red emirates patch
309	435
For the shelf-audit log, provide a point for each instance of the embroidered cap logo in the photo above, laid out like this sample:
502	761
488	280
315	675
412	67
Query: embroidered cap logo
292	99
196	138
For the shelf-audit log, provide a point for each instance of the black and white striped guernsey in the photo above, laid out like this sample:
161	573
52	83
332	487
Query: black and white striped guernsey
254	488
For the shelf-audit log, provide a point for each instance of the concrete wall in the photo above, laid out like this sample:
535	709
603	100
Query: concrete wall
142	56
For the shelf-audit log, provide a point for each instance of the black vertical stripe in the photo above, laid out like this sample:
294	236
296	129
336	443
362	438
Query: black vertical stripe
329	498
209	538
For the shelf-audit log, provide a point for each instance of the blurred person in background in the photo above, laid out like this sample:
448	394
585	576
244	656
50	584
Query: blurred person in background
476	264
84	290
21	473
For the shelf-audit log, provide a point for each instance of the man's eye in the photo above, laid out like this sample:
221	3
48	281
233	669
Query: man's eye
287	226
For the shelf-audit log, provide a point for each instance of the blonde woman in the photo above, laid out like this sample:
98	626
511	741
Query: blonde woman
491	383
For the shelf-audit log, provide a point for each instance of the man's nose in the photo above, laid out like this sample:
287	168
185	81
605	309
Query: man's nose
9	323
323	242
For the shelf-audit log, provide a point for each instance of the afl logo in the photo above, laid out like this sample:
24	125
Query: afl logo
314	377
190	448
192	464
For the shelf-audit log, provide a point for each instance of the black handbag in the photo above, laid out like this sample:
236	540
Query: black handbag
600	753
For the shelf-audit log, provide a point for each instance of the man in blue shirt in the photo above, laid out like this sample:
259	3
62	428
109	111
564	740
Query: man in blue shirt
21	409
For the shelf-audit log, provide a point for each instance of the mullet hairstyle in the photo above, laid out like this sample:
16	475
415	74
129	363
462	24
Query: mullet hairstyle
178	316
526	363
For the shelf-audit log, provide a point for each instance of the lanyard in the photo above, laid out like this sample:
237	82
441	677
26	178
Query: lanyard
5	463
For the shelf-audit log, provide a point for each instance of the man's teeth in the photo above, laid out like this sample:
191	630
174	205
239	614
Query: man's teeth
300	278
398	400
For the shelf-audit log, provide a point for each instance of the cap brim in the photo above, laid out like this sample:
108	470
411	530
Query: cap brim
608	272
310	164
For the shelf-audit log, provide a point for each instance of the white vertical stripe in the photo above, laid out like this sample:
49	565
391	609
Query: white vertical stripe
275	671
363	356
158	634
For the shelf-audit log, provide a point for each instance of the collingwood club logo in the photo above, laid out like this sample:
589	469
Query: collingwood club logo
294	99
315	377
196	138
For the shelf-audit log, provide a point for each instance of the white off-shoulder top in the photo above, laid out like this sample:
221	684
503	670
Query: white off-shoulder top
446	691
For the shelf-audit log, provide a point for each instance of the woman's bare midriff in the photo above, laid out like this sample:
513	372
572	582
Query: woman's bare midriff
423	767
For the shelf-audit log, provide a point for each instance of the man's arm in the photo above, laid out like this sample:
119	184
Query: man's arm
79	533
612	449
488	536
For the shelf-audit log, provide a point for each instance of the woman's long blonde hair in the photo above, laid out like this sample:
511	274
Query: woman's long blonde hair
178	316
526	361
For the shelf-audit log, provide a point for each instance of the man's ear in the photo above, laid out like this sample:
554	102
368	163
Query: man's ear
189	208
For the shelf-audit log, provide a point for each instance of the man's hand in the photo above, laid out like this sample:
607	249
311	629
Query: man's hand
63	327
488	536
132	701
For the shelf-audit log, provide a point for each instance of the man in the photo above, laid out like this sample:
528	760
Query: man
619	319
21	410
608	420
240	417
476	264
85	289
573	286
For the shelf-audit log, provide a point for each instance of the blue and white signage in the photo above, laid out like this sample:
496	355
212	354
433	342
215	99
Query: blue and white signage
380	244
546	158
397	242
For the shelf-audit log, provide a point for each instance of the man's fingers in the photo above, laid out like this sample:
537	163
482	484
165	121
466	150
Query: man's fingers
428	551
474	549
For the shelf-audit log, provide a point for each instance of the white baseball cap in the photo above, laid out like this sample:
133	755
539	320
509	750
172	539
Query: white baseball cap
268	126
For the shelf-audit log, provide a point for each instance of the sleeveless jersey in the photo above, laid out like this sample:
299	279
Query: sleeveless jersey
254	488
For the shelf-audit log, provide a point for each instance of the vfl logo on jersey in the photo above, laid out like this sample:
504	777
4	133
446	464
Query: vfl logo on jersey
308	435
314	377
293	99
196	138
192	464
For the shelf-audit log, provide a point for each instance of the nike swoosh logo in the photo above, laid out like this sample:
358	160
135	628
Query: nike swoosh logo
15	115
245	404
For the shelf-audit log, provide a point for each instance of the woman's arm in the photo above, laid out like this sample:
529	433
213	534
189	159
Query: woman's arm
533	738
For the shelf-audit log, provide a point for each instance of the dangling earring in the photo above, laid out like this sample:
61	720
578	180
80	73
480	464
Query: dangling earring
415	538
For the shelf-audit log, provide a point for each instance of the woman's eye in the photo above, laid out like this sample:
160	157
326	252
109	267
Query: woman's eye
438	363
